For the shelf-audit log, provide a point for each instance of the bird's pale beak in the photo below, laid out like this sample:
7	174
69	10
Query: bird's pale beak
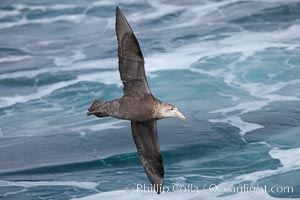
180	115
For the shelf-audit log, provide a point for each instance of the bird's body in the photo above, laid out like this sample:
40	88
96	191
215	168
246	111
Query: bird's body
137	104
145	107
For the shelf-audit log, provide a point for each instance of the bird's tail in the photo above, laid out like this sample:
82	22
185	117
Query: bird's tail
97	109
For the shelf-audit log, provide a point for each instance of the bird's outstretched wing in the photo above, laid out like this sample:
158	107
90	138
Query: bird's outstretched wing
131	60
146	140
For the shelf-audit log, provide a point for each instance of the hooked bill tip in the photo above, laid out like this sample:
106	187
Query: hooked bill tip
180	115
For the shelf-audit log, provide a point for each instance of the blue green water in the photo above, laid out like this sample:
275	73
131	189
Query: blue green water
232	67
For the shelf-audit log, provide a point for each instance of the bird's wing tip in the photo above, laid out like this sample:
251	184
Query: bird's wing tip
157	182
160	186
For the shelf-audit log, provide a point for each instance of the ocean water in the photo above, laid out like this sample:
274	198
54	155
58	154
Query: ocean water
232	67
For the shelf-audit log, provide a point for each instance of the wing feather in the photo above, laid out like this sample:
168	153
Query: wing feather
131	60
146	140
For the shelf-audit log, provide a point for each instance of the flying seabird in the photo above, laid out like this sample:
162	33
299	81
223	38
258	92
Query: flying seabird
137	104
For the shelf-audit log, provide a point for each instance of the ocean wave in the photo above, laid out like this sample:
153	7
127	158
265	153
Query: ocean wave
42	91
245	43
74	62
24	21
102	64
286	158
8	13
201	194
265	94
62	6
218	33
158	10
236	121
184	56
75	18
6	194
194	15
30	184
125	159
180	58
108	77
207	11
13	59
20	7
67	61
104	126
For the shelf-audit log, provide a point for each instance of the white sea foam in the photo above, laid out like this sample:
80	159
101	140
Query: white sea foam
259	89
236	121
234	44
109	63
234	98
107	77
207	12
8	13
159	9
246	107
41	92
24	21
200	11
61	6
13	193
97	127
103	77
264	92
183	57
29	184
288	159
179	58
69	60
28	73
43	7
47	42
194	17
201	194
76	18
74	62
13	58
104	126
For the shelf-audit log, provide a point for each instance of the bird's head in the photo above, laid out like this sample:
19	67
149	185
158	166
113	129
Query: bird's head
169	110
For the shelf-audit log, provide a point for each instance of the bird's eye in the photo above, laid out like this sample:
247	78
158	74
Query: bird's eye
172	108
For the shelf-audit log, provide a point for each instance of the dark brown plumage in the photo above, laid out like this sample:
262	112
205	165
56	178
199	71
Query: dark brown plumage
137	104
